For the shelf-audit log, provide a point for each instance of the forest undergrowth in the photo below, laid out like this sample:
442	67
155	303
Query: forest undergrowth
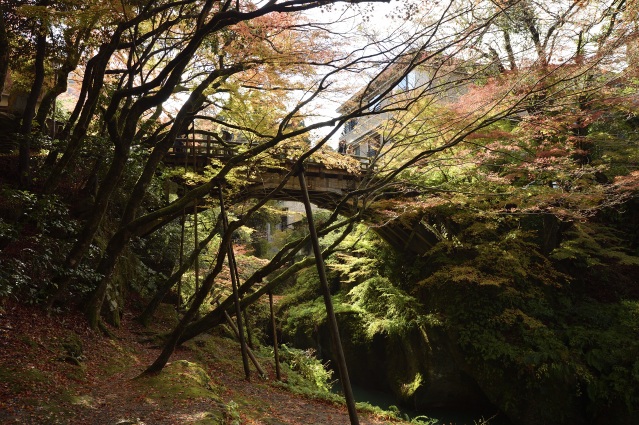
55	370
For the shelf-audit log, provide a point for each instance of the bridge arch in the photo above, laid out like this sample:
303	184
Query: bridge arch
326	187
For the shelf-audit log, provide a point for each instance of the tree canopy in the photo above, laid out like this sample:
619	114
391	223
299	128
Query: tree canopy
502	108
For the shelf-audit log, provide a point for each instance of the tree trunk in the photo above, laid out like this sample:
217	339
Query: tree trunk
249	331
509	50
178	305
198	299
178	336
51	95
90	227
120	240
4	49
148	312
254	360
105	269
122	237
276	355
234	284
32	103
85	108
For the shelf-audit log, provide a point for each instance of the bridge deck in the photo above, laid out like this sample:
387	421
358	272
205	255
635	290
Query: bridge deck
199	152
326	185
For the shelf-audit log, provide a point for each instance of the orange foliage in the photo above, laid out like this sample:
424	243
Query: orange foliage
628	183
491	134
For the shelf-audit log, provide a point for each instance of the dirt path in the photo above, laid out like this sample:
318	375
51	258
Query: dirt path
281	407
41	383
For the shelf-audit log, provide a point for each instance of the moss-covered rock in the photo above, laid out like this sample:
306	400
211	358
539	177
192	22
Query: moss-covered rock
179	380
73	348
183	381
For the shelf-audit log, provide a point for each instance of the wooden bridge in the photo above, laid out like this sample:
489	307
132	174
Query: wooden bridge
198	153
326	186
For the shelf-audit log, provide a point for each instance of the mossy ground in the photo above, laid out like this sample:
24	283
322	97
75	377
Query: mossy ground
203	383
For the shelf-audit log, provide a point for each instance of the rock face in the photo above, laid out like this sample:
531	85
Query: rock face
501	325
423	369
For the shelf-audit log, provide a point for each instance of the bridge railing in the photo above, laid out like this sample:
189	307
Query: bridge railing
364	161
206	147
211	148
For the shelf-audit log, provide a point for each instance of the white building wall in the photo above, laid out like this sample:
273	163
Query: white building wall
445	84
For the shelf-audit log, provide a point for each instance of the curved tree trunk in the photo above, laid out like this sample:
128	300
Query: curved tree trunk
32	103
84	111
83	242
216	316
122	237
51	95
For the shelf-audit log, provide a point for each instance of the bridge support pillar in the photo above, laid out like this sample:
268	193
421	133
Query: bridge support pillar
332	321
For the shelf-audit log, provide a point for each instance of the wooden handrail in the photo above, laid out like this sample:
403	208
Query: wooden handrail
206	147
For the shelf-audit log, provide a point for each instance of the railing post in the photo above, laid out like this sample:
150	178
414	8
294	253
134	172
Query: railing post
186	153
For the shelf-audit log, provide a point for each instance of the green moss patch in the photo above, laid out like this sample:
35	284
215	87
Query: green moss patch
23	379
84	400
120	360
212	418
179	381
